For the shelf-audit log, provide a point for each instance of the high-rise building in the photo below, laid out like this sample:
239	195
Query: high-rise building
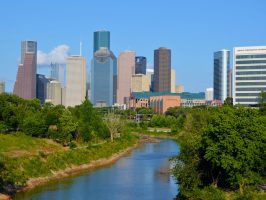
58	73
41	87
101	39
179	88
54	92
140	65
221	72
249	76
209	94
150	73
104	78
140	83
2	87
162	70
173	80
75	80
25	85
126	68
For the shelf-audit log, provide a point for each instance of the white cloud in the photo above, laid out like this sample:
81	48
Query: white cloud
57	55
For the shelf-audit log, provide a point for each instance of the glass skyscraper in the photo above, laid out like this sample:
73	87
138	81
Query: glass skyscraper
140	65
221	75
101	39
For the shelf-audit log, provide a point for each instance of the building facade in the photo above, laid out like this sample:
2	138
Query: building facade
140	83
54	92
140	65
58	73
101	39
249	76
162	70
221	74
75	80
41	87
173	80
104	78
126	68
209	94
160	104
2	87
179	88
25	84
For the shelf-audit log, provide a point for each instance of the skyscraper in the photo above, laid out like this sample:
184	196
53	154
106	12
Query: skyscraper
126	68
2	87
75	80
162	70
209	94
140	65
25	85
249	76
173	80
54	92
101	39
221	75
140	83
104	78
58	73
41	87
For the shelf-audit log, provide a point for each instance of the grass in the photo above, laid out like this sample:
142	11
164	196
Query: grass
19	145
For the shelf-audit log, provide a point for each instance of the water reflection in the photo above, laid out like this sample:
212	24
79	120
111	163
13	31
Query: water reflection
143	174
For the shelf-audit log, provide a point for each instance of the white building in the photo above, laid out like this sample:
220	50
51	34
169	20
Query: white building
249	76
54	92
173	80
2	87
75	80
209	94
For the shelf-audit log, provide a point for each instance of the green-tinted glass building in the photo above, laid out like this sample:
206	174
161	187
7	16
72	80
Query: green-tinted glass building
101	39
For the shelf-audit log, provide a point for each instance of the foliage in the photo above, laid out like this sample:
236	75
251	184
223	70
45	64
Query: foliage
114	124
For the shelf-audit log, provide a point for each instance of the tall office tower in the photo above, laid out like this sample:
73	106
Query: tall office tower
58	73
41	87
162	70
150	73
101	39
2	87
126	68
179	88
173	80
140	83
140	65
249	77
25	85
54	92
221	80
75	80
209	94
231	82
104	78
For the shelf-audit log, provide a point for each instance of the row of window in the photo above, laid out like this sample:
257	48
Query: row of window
247	94
251	56
251	67
251	61
250	83
247	100
251	89
250	72
251	78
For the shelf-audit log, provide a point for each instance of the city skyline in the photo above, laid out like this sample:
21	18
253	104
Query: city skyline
201	31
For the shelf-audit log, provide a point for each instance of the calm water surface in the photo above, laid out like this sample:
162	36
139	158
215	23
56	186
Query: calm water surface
137	176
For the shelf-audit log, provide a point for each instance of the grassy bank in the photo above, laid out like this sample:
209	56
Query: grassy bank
42	157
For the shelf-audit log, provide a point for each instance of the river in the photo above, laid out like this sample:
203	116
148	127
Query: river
141	175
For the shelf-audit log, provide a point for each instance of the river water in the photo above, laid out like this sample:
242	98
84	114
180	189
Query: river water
141	175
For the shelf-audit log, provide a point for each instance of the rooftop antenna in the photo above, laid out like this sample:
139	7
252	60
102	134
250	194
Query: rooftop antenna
80	48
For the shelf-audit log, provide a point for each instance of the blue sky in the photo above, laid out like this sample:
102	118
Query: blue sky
192	29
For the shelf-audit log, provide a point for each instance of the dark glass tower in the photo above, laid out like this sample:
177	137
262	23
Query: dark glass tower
162	70
140	65
101	39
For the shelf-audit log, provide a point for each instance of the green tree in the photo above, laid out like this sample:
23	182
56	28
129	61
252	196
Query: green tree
34	125
228	101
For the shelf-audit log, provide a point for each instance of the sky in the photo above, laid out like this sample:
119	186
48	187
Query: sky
192	29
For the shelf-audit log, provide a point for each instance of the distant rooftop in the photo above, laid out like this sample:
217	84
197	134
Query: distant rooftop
183	95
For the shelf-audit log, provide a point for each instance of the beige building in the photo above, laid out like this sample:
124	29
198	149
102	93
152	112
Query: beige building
140	83
2	87
173	80
75	80
179	88
54	93
126	68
